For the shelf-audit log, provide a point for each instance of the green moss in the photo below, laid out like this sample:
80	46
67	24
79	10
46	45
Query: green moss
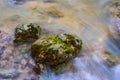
54	50
27	33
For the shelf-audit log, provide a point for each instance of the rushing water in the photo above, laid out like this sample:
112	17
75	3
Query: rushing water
88	19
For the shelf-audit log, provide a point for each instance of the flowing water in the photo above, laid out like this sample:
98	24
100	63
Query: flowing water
88	19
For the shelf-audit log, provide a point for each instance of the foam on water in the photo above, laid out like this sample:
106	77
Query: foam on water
116	70
86	70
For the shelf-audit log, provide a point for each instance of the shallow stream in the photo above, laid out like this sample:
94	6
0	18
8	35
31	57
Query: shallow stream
88	19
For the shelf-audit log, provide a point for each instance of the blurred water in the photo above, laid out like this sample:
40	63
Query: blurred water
86	70
116	72
85	18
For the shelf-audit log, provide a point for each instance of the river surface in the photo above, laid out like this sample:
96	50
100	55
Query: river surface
88	19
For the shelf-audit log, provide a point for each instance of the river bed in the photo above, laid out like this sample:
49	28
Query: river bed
88	19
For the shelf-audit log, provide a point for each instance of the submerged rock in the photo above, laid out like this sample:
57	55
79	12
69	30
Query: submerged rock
54	12
114	25
9	73
111	59
54	50
27	33
115	9
61	68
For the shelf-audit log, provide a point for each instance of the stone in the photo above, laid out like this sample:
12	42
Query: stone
27	33
54	50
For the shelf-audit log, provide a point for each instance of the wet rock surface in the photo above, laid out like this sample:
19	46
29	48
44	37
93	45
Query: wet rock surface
54	50
115	9
115	12
61	68
114	25
111	59
27	33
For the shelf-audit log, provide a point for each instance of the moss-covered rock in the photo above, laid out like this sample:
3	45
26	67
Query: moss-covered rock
27	33
54	50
